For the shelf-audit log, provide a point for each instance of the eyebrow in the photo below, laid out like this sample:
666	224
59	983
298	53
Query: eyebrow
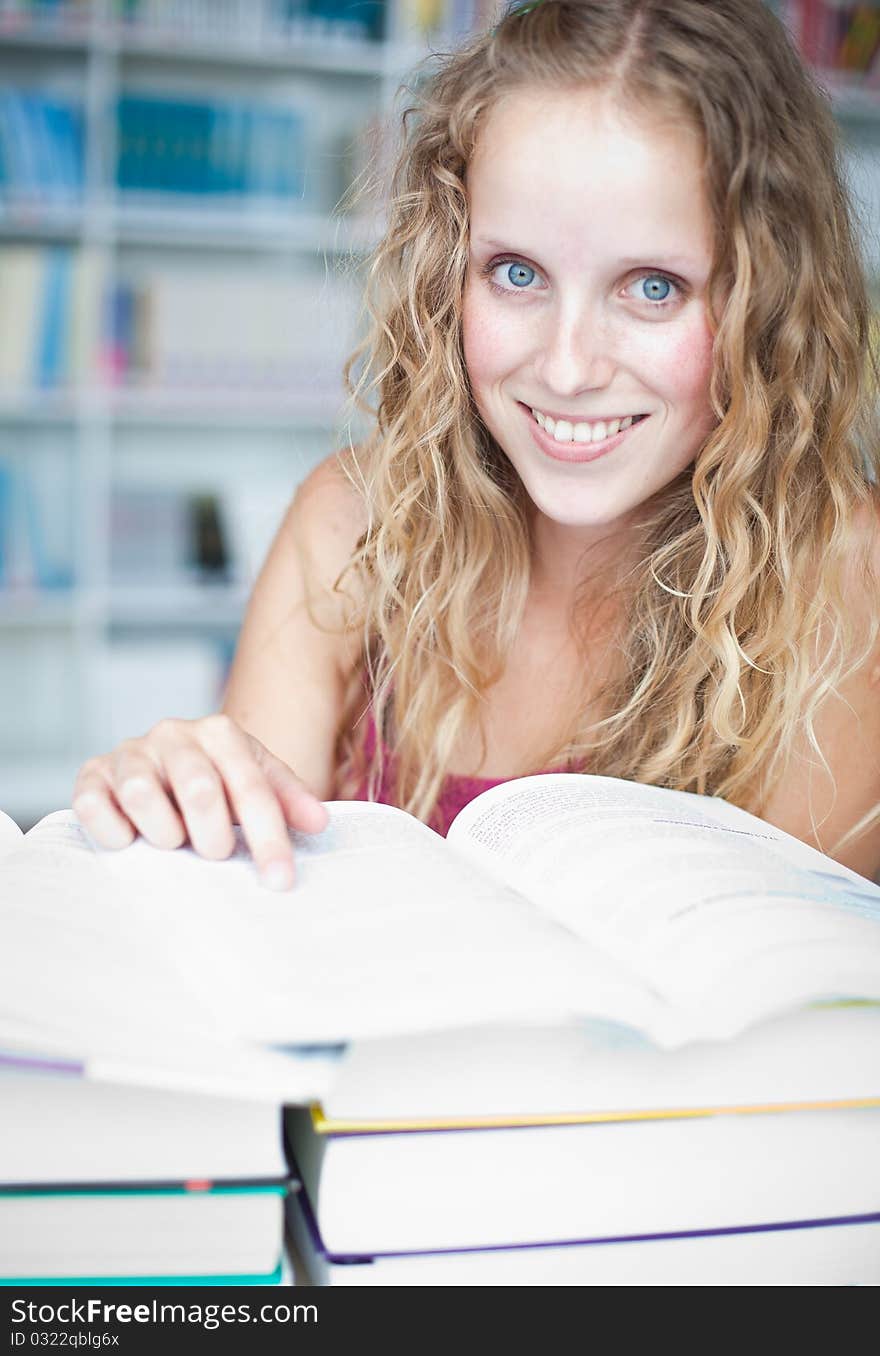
683	262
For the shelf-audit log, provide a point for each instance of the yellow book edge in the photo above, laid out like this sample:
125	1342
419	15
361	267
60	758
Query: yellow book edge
329	1125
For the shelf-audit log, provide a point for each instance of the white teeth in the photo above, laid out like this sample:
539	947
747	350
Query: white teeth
563	431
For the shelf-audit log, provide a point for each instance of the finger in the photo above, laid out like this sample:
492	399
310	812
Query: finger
253	801
96	809
302	809
200	796
262	820
141	792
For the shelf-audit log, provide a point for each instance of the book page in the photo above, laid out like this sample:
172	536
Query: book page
82	967
385	930
725	916
10	833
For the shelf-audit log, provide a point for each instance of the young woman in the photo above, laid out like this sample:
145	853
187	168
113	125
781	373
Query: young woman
617	511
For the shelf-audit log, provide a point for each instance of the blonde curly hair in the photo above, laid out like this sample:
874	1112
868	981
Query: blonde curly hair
744	561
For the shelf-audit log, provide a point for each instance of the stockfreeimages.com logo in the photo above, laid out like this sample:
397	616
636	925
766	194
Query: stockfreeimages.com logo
94	1311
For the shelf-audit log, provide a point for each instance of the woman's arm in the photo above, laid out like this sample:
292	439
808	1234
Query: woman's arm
293	658
847	727
267	760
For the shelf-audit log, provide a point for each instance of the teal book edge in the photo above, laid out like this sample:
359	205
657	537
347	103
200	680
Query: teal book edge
269	1278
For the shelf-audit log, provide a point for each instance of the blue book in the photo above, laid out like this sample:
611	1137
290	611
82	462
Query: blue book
360	19
124	143
200	120
275	1277
36	110
19	144
67	137
296	156
243	167
54	317
218	146
133	136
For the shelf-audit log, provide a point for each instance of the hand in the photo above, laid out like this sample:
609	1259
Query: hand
188	781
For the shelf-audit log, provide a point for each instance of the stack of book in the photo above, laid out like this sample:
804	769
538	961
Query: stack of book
105	1182
602	1032
582	1155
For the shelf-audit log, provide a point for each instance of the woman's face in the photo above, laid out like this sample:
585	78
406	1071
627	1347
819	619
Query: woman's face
585	300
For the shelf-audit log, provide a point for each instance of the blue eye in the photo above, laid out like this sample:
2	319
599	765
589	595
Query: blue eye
520	274
657	287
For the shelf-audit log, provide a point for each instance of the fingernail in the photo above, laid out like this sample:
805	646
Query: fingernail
277	876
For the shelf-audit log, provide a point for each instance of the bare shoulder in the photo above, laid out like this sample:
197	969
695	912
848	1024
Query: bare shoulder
818	802
327	517
318	536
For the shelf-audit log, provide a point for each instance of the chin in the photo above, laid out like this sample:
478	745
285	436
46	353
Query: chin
577	511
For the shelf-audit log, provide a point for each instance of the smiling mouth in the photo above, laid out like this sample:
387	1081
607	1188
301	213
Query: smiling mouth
576	451
581	432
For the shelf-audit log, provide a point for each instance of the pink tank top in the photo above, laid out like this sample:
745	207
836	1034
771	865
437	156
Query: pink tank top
455	794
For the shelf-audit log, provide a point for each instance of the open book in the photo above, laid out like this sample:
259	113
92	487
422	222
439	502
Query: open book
554	897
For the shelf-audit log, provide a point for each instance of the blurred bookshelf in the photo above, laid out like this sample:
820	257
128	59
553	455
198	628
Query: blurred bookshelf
179	291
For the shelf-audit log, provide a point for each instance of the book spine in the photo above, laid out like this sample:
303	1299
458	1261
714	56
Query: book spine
56	287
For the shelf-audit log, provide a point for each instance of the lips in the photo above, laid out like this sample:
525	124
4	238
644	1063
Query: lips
577	452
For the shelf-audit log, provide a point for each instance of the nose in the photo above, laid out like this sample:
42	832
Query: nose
575	353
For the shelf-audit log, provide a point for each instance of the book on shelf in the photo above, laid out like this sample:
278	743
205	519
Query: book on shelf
41	148
36	519
259	22
166	537
815	1253
50	327
240	150
67	15
237	331
171	333
840	39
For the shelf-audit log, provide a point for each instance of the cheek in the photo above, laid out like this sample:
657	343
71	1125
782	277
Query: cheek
687	366
486	342
475	338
